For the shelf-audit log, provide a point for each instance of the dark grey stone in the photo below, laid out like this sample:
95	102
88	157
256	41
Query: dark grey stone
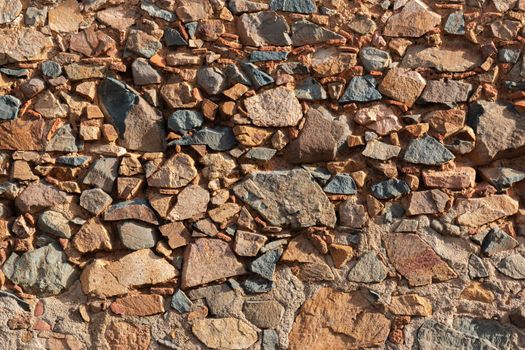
265	265
235	75
183	120
263	56
180	302
51	69
307	33
427	150
9	106
361	89
218	138
299	6
156	11
390	188
260	153
172	37
257	77
513	266
311	90
374	59
497	241
254	285
341	184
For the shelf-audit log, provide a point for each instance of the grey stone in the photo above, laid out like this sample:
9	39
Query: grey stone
321	137
263	314
142	43
172	37
455	23
9	10
38	196
508	55
368	269
270	340
409	225
35	16
390	188
222	300
256	76
95	200
307	33
180	302
235	75
54	223
43	271
447	92
264	56
183	120
102	174
497	241
218	138
361	89
155	11
311	90
135	235
212	80
476	267
63	141
362	24
299	6
9	106
51	69
427	150
502	177
143	73
341	184
264	265
17	73
490	330
256	285
512	266
140	126
260	153
263	28
241	6
374	59
287	198
517	316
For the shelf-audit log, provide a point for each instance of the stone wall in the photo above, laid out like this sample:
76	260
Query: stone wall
262	174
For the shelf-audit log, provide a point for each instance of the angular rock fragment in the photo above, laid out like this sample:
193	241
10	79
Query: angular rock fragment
416	260
476	212
38	196
512	266
414	20
137	209
54	223
368	269
427	202
225	333
451	91
361	89
95	200
139	305
92	236
428	151
135	235
263	28
379	118
287	198
102	174
403	85
341	184
380	150
390	188
274	108
448	58
455	179
9	106
23	44
192	201
176	172
305	32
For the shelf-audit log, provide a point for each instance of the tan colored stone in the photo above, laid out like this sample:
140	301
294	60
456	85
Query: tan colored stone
192	201
447	58
414	20
248	243
179	95
193	10
23	44
379	118
301	250
140	305
476	212
66	17
176	233
427	202
92	236
251	136
207	260
20	170
410	305
176	172
455	179
120	17
123	335
403	85
224	213
276	107
416	260
341	254
225	333
476	292
337	320
38	196
330	61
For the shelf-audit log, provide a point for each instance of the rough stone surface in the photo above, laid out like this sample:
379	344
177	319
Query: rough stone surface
274	108
229	333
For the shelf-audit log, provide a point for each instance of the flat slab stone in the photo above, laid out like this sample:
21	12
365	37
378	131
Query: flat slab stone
414	20
287	198
274	108
447	58
23	44
225	333
263	28
476	212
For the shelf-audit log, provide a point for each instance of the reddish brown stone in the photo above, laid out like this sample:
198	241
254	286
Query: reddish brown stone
140	305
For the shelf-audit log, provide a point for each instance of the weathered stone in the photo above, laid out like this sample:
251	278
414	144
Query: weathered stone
105	279
102	174
66	17
497	241
505	29
176	172
427	202
330	61
38	196
275	108
91	237
23	44
305	32
310	90
416	260
240	6
501	177
512	266
476	212
225	333
403	85
447	92
410	305
54	223
390	188
264	265
380	150
208	260
455	179
137	209
260	153
176	233
9	106
218	138
379	118
136	235
336	320
192	201
140	127
475	291
517	317
139	305
142	43
118	17
320	139
263	28
427	150
193	10
63	141
362	24
172	37
95	200
124	335
476	267
9	10
263	314
374	59
448	58
212	80
248	243
415	20
264	56
183	120
341	184
361	89
352	214
43	271
143	73
156	11
181	302
80	71
299	6
499	130
179	95
273	194
455	23
368	269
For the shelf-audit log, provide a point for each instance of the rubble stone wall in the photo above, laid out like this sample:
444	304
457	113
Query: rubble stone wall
262	174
